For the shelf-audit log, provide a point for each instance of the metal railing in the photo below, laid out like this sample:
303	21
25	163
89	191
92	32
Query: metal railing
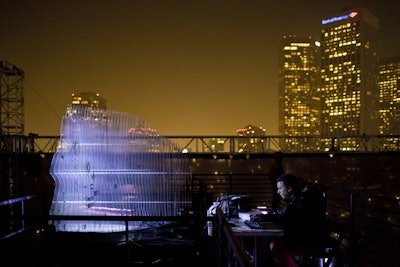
43	221
374	222
20	225
224	144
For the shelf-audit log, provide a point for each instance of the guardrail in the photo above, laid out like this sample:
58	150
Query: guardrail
40	222
20	225
231	144
229	250
374	221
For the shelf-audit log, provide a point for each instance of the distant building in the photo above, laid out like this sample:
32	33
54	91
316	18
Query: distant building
299	102
216	145
89	99
252	140
389	96
349	75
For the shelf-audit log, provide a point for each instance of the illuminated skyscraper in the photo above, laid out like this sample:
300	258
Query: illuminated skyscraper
89	99
299	103
389	96
349	72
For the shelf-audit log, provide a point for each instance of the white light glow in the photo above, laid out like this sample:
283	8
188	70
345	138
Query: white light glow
104	167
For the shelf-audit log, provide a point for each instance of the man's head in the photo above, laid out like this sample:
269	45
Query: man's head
288	185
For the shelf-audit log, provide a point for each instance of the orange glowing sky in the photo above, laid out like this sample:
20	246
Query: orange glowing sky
187	67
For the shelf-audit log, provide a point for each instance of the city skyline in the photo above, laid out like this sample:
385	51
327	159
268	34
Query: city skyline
199	68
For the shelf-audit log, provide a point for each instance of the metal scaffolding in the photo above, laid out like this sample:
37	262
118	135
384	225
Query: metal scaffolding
11	99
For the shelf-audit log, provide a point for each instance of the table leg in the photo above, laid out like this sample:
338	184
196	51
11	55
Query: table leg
255	252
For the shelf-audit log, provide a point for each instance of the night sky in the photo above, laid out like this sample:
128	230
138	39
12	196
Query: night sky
186	67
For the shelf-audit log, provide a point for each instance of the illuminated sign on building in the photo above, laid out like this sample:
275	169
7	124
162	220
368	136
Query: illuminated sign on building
343	17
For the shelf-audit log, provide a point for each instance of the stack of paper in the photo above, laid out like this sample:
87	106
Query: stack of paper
246	215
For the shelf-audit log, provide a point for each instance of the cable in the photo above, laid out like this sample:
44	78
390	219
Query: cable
47	104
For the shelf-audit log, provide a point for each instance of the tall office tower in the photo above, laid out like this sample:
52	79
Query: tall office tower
299	103
389	96
349	76
89	99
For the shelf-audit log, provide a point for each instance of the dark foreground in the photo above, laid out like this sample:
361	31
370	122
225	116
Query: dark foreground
168	245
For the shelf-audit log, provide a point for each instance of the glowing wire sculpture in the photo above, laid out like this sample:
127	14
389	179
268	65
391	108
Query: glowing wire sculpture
113	164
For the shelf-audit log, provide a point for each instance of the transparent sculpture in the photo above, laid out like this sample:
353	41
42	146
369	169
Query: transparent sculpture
113	164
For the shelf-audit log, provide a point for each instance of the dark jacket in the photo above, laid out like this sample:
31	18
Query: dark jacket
303	218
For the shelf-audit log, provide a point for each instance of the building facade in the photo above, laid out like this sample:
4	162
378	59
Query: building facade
252	140
89	99
389	96
349	75
299	100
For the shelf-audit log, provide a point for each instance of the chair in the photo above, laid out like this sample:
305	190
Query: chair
330	252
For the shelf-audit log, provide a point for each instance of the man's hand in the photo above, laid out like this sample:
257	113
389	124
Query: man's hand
257	217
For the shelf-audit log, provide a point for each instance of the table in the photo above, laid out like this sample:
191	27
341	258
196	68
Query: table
242	230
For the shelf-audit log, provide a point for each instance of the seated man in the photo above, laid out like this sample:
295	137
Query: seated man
303	220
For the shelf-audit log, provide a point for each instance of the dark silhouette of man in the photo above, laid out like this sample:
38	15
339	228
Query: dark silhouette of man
303	220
